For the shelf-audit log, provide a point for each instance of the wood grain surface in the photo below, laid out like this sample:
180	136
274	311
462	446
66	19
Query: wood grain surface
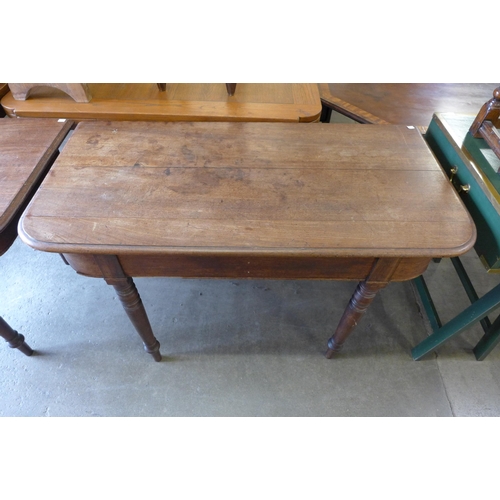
221	189
404	103
26	146
276	102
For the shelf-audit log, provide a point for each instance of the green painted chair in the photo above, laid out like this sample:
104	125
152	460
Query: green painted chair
469	151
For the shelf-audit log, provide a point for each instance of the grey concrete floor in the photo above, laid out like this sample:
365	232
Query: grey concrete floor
234	348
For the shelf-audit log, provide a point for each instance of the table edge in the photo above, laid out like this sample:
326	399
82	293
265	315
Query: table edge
46	246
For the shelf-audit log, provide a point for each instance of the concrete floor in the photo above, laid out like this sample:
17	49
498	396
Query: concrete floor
234	348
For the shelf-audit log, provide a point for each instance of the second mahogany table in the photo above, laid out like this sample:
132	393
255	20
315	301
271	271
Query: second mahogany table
247	200
27	150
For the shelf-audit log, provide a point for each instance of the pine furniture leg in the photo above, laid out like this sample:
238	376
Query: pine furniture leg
231	88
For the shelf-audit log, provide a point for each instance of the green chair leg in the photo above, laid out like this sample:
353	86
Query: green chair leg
469	289
475	312
428	303
488	341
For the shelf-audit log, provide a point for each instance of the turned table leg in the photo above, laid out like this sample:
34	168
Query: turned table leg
379	277
361	299
127	292
15	340
132	303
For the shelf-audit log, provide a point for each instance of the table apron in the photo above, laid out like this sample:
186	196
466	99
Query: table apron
247	266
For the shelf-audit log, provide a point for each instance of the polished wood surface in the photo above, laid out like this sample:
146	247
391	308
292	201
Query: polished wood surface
274	102
246	200
403	103
27	150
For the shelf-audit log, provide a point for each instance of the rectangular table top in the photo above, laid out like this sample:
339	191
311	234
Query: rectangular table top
276	102
26	146
247	188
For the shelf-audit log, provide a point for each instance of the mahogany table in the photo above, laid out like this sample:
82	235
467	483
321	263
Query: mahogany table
276	102
27	150
402	103
247	200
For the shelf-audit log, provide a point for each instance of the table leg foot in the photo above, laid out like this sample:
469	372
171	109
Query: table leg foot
132	303
14	339
363	296
333	347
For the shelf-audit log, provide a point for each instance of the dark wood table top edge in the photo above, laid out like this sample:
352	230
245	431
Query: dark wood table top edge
47	246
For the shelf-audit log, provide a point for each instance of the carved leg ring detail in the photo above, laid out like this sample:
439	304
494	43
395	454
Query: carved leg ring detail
361	299
132	303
